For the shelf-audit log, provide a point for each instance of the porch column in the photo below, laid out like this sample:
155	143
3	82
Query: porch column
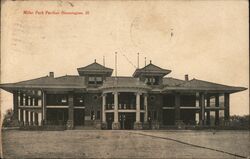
138	124
15	106
39	119
202	109
29	101
19	115
24	100
177	98
116	107
70	122
33	101
39	102
43	105
116	124
217	105
208	111
29	117
145	108
19	99
226	109
104	123
34	118
24	117
137	107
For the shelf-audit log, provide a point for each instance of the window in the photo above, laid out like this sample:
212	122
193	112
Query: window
79	99
95	80
91	80
64	100
98	80
57	99
152	80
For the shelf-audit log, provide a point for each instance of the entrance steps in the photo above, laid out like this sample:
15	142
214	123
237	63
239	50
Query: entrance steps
89	123
85	128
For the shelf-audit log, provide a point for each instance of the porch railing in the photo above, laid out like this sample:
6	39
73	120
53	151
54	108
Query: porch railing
123	107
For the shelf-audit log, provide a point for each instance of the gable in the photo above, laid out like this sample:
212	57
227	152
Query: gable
94	68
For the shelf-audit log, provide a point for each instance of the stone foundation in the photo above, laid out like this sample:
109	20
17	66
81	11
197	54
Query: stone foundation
70	124
116	126
104	125
137	126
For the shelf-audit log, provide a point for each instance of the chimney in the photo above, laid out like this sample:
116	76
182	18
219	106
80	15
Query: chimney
51	74
186	77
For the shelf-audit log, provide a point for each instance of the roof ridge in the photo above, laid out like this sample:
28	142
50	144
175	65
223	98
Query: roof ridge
154	66
93	64
67	76
173	78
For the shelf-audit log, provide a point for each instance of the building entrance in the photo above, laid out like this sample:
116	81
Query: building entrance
110	120
79	117
127	120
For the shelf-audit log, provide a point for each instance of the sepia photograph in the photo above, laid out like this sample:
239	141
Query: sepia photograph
124	79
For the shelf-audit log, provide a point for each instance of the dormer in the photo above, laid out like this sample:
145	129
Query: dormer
151	74
95	73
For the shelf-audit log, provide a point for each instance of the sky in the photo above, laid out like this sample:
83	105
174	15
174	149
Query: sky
207	40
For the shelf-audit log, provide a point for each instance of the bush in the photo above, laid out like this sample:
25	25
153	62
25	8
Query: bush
8	118
237	120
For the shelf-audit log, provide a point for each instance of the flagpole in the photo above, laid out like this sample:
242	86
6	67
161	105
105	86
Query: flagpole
115	64
138	60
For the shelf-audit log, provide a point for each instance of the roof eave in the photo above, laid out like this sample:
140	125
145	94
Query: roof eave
228	90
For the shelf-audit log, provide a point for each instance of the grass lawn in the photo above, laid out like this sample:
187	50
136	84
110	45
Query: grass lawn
123	144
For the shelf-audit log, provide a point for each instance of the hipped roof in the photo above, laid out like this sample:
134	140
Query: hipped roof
151	69
200	85
95	68
67	81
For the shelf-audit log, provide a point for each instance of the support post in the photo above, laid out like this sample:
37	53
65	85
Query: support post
146	124
104	123
116	124
19	115
29	101
226	109
217	105
39	119
15	106
24	100
34	118
70	122
33	101
208	111
202	96
39	102
29	117
24	117
44	104
178	121
19	99
138	124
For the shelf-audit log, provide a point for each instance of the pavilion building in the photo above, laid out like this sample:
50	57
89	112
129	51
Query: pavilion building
147	100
